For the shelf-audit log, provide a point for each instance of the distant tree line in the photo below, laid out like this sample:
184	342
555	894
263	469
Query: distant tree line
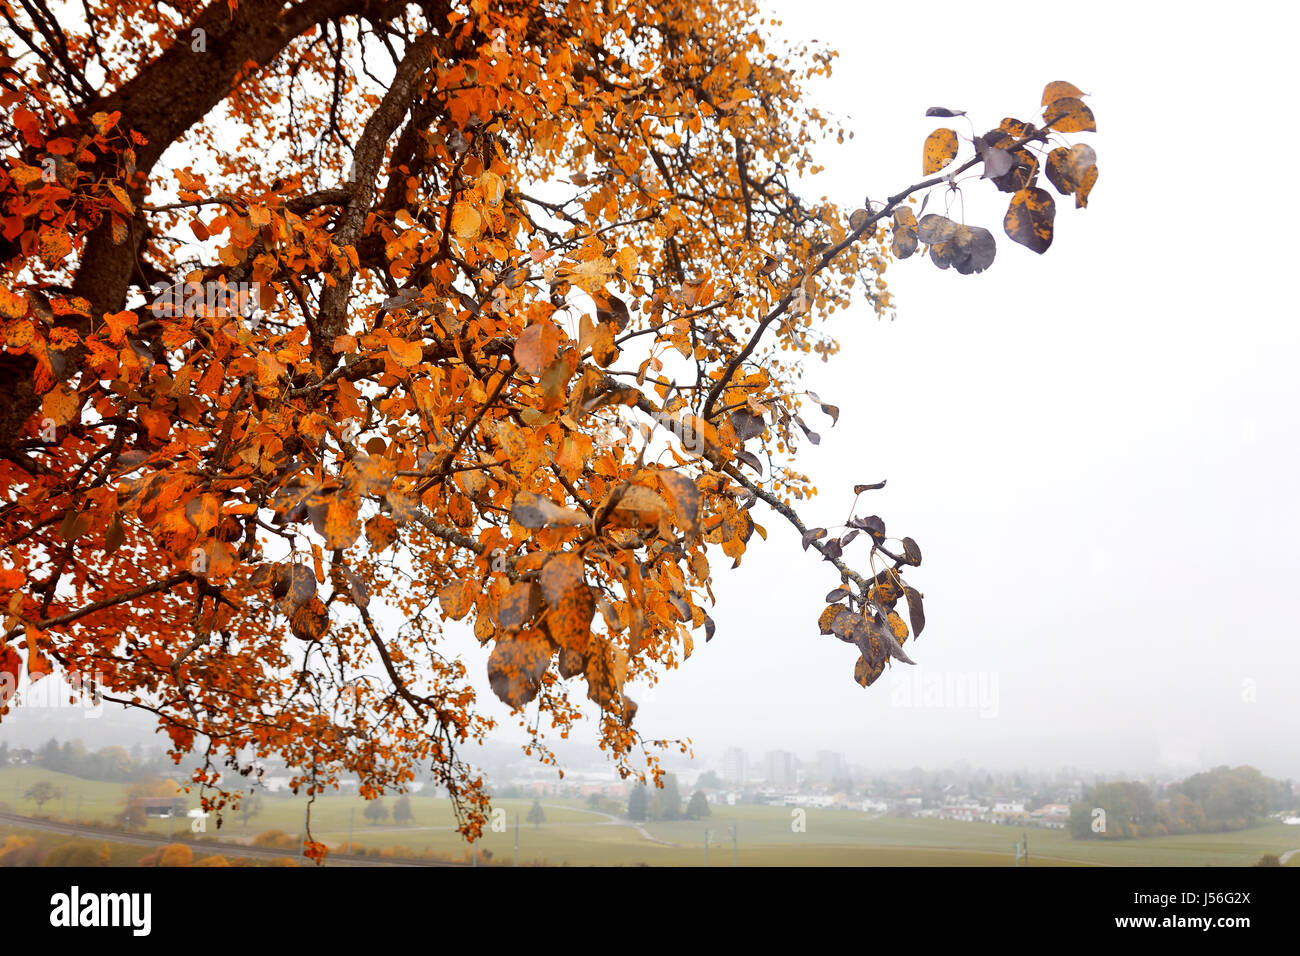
665	803
1222	799
114	763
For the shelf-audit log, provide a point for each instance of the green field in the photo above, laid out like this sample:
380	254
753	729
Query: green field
574	835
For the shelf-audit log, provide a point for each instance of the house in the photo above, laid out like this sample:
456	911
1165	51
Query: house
1008	811
964	810
161	807
1054	816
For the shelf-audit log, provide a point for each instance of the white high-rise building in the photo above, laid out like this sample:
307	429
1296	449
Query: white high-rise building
735	767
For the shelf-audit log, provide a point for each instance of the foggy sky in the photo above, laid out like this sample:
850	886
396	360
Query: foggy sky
1095	448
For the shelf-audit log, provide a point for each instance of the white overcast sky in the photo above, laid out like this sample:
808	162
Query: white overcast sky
1095	448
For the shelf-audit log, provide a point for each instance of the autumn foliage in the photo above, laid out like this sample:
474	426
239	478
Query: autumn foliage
328	322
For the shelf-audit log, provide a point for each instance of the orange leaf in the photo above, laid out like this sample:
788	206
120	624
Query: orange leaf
456	599
61	404
466	223
536	347
405	354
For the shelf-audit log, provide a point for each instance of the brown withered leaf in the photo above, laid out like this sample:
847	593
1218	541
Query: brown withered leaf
610	308
1029	218
683	496
915	610
561	574
905	240
750	459
1066	168
606	669
866	673
457	598
518	606
569	601
533	511
935	228
516	666
972	249
1024	164
638	507
293	585
571	663
310	621
746	424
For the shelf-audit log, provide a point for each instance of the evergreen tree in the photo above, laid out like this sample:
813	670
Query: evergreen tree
638	802
536	815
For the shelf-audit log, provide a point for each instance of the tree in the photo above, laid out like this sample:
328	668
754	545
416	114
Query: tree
250	805
78	853
709	780
19	851
402	810
698	806
376	810
536	815
176	854
42	791
638	802
668	800
383	348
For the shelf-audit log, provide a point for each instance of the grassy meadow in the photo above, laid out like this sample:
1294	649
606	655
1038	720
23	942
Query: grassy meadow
574	835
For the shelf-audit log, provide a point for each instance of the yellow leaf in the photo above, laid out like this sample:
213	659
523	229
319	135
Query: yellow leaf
940	150
466	223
